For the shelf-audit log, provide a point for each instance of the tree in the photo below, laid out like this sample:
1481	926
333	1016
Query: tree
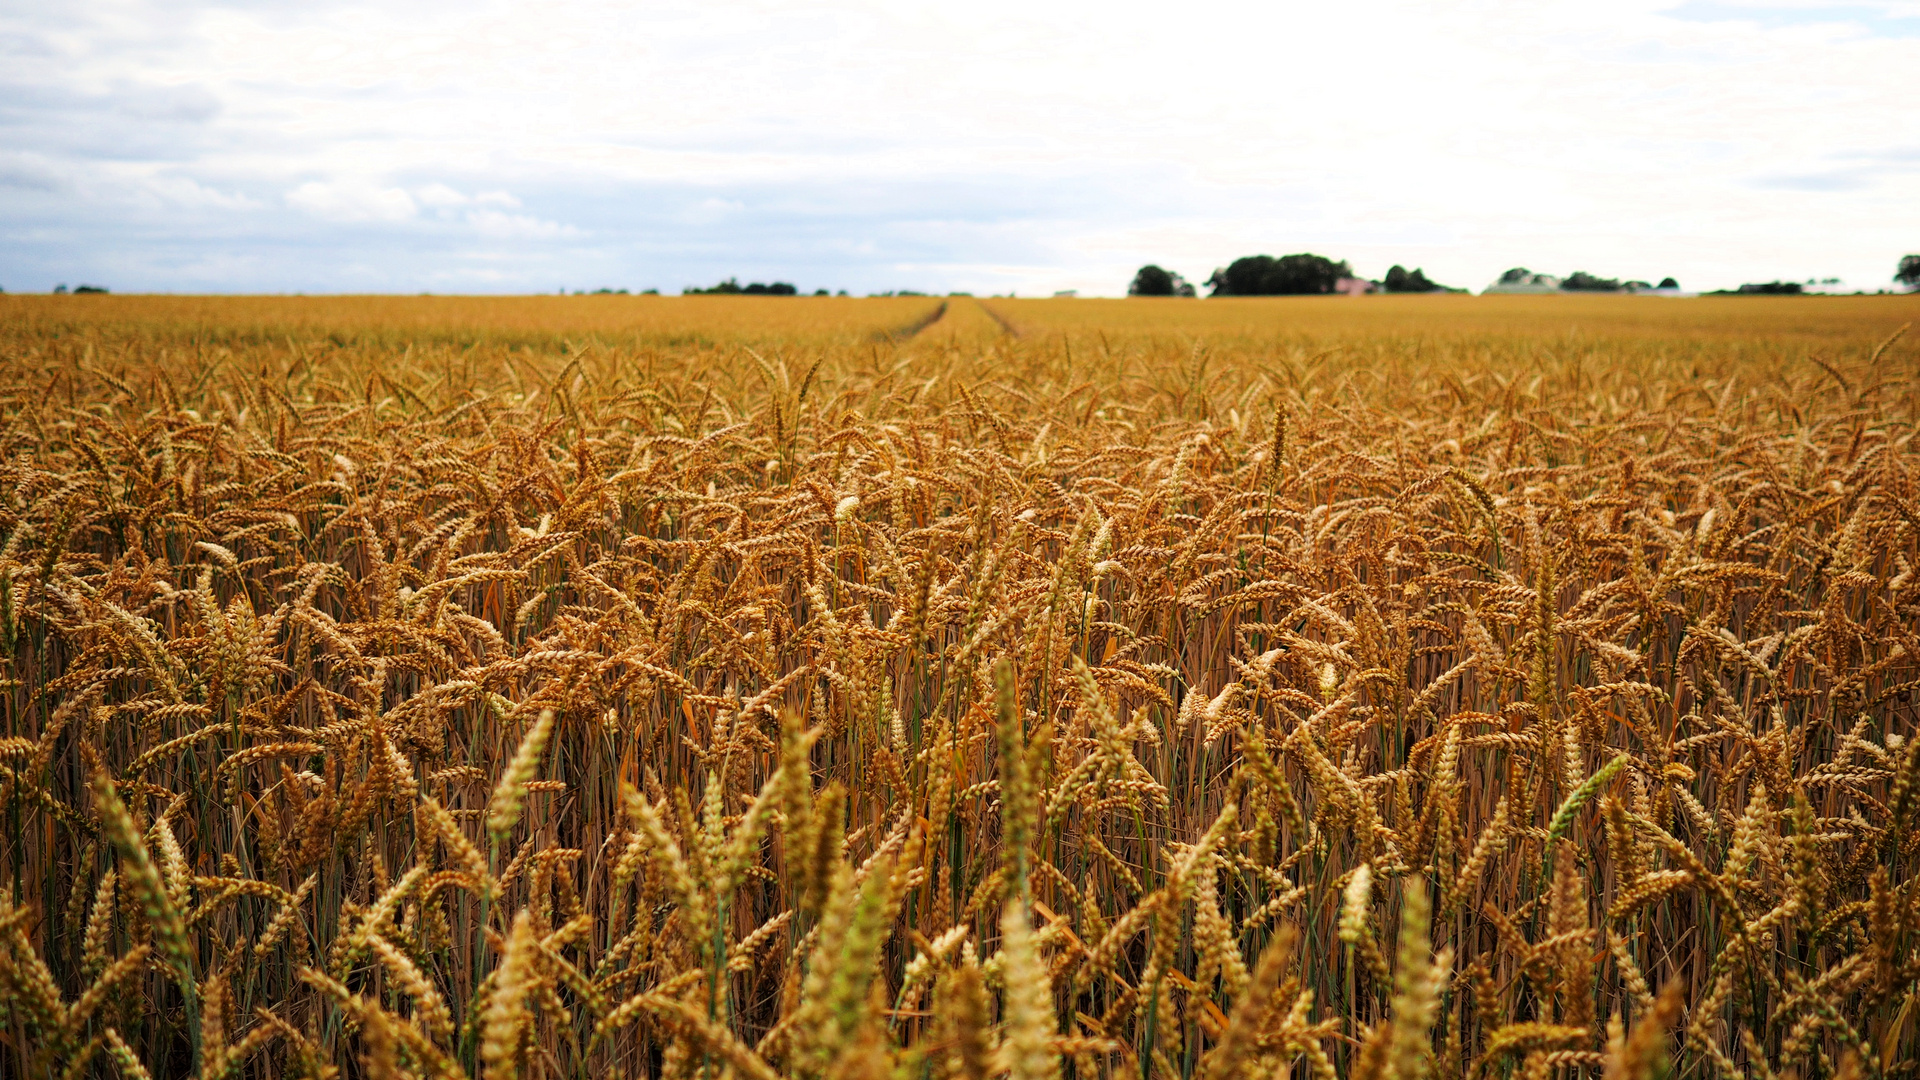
1241	277
1909	272
1581	281
1516	275
1669	283
1289	275
1151	280
1303	275
1154	281
1400	280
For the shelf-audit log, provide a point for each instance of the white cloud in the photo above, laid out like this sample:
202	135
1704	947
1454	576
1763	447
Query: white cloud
710	211
352	201
493	223
439	196
1004	142
186	192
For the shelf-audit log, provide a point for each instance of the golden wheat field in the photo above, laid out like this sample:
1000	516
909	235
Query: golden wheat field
723	688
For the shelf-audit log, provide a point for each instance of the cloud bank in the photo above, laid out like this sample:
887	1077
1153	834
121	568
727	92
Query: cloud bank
267	146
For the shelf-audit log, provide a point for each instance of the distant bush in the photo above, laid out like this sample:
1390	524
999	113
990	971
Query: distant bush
1767	288
1155	281
1289	275
95	289
1908	273
1668	283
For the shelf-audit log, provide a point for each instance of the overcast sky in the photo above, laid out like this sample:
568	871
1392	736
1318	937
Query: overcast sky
986	146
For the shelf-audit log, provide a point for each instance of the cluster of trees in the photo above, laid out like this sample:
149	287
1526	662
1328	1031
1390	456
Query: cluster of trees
1581	281
61	290
1154	281
1304	274
1288	275
732	287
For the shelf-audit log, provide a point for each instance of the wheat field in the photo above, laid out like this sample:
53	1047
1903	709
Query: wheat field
944	689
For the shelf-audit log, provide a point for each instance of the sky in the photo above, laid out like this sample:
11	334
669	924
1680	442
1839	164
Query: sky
991	146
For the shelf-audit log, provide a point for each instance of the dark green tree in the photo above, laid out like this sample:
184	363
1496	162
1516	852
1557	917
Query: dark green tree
1669	283
1399	279
1303	275
1289	275
1909	272
1241	277
1152	280
1581	281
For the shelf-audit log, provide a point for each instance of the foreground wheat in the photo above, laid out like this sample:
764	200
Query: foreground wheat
367	721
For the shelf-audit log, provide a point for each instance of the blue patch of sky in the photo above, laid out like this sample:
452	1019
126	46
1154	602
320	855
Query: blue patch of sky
1873	21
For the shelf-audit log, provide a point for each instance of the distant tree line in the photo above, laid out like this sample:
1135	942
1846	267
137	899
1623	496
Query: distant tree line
1303	274
1521	279
732	287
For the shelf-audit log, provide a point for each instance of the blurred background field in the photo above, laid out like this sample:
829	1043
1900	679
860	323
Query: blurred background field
1548	327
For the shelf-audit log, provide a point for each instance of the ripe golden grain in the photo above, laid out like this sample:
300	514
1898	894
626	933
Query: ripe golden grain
958	688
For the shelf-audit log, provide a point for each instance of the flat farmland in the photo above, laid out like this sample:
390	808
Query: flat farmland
943	687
